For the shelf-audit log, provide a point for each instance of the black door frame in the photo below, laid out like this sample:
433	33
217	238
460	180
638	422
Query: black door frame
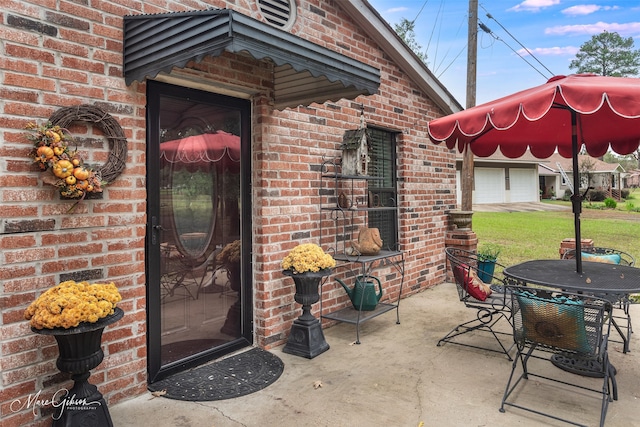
156	90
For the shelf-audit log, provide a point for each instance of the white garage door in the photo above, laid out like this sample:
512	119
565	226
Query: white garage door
489	185
458	188
523	185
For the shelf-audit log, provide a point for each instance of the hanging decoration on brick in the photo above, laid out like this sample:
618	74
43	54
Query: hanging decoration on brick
52	151
109	126
355	150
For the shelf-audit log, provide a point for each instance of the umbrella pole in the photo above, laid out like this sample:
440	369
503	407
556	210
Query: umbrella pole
576	198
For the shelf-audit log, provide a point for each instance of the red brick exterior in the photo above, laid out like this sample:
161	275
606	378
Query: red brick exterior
66	53
569	243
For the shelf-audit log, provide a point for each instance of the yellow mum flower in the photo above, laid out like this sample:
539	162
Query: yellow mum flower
69	303
230	254
307	257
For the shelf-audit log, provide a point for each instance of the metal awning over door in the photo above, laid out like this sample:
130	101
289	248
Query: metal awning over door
304	72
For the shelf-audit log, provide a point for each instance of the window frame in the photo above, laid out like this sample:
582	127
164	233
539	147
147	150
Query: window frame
383	213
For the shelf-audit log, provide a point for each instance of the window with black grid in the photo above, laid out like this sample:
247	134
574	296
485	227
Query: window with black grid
383	192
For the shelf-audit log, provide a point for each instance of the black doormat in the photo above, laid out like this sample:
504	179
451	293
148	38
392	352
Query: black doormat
235	376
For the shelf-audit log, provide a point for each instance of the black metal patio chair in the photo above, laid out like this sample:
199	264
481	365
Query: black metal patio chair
180	273
600	254
574	329
487	299
613	256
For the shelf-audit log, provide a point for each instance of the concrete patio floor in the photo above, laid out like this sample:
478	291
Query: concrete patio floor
397	376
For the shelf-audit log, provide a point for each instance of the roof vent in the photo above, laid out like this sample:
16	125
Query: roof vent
279	13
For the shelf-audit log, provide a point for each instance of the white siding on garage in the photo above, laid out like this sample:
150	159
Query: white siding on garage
489	185
523	185
458	189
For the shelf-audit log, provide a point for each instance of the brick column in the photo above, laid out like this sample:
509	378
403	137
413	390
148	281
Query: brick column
462	239
567	244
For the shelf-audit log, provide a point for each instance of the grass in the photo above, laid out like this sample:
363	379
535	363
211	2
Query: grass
537	235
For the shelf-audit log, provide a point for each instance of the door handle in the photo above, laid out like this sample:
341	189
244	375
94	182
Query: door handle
155	229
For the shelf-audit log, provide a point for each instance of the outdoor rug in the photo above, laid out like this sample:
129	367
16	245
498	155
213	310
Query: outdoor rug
235	376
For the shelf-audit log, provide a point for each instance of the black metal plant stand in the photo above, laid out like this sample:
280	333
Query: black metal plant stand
79	352
306	338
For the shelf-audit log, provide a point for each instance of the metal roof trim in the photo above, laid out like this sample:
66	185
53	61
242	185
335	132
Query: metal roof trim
157	43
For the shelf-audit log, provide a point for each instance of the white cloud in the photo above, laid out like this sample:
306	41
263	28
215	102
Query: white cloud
396	9
533	5
550	51
488	73
583	9
625	30
586	9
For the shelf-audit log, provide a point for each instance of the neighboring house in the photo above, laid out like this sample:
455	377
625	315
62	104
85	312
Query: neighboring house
594	173
280	89
631	179
499	179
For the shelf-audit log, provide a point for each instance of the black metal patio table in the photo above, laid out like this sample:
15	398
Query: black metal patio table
612	282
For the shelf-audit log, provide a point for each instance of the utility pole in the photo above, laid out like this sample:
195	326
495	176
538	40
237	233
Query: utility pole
472	57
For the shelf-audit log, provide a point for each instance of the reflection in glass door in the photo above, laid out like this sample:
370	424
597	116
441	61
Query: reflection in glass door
196	228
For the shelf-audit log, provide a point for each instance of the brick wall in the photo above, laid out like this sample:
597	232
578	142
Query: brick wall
67	53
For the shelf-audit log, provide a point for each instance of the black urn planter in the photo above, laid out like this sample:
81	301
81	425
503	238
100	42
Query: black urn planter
306	338
233	323
80	351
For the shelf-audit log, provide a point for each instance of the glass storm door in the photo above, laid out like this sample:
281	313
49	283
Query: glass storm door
199	297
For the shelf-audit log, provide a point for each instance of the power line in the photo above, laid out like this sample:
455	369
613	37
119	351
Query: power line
452	61
487	30
437	20
516	40
525	48
420	11
437	66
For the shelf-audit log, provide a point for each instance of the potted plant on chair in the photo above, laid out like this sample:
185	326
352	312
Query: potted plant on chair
487	257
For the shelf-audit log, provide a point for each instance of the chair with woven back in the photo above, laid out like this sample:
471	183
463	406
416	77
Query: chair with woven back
611	256
487	299
572	331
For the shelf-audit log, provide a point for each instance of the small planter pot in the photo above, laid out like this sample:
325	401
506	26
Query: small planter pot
486	269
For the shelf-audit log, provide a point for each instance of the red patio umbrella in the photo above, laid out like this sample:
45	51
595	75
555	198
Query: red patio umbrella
562	115
200	152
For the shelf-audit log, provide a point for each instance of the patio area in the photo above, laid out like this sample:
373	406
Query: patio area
399	377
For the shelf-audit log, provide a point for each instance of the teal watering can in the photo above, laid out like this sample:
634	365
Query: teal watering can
363	295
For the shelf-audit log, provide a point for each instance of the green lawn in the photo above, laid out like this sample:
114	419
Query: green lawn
537	235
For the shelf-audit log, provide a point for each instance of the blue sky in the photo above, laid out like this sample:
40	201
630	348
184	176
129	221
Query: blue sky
553	30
